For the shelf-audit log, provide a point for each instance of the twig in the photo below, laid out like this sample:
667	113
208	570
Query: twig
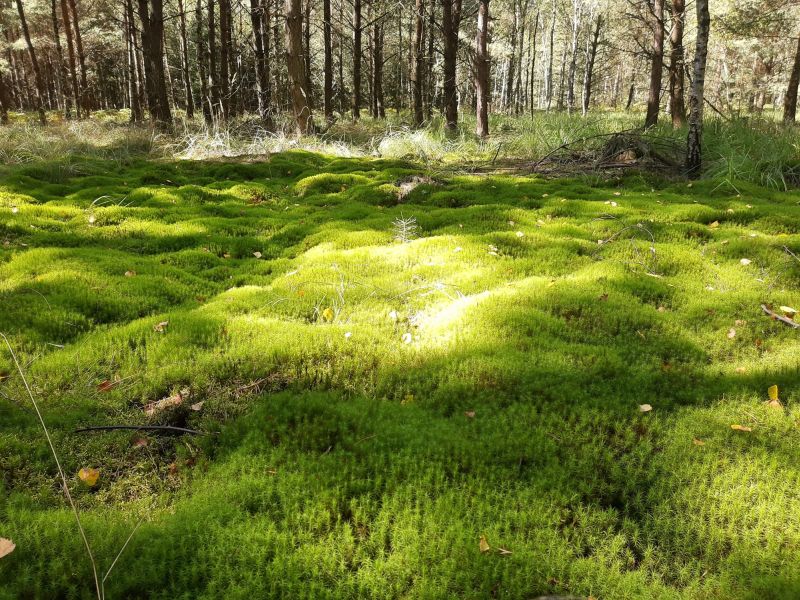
781	318
792	253
140	428
121	550
97	584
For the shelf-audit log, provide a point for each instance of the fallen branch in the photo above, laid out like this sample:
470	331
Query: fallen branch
140	428
781	318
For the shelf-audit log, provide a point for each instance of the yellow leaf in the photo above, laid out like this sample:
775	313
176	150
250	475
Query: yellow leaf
484	545
89	476
6	547
714	225
737	427
788	311
327	314
698	442
773	392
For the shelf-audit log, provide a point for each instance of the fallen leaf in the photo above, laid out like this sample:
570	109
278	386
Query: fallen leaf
89	476
406	338
603	297
257	254
130	273
773	401
393	315
740	323
197	406
697	442
327	315
503	551
6	547
741	370
745	261
139	442
470	414
161	327
737	427
484	545
14	210
662	309
348	335
520	234
731	333
106	385
788	311
91	219
714	225
645	408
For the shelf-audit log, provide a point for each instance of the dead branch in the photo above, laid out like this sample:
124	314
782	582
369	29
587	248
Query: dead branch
781	318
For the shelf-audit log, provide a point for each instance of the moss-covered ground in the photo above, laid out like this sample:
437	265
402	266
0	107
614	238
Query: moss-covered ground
373	406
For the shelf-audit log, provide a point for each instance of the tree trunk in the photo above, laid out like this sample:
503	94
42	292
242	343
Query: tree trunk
590	58
187	78
225	56
37	73
694	139
533	58
356	59
151	13
482	70
84	97
657	65
202	57
213	73
307	54
327	88
418	62
377	72
577	9
295	67
451	22
548	84
508	87
5	100
133	79
63	76
261	45
677	108
790	101
429	80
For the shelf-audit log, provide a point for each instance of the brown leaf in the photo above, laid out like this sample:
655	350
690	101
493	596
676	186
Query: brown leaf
130	273
737	427
6	547
161	327
698	442
470	414
484	545
197	406
105	385
139	442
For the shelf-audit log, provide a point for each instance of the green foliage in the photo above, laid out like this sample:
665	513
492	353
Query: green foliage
489	384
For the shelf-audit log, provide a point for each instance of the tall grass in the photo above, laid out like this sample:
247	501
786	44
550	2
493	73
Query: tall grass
758	151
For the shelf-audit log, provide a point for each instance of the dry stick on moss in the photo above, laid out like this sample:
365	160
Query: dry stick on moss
97	583
140	428
792	254
781	318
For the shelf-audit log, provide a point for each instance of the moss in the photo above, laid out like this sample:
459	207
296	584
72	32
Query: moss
482	379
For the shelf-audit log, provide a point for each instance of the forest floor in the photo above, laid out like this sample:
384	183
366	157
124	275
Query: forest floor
552	386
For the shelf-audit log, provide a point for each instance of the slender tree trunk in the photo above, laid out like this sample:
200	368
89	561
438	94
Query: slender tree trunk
134	95
5	100
151	13
307	53
187	76
573	62
377	81
213	72
257	11
295	66
37	73
451	23
590	58
790	100
533	59
482	70
694	139
508	84
549	76
356	59
327	88
63	76
202	57
225	55
85	101
677	108
418	62
429	79
657	65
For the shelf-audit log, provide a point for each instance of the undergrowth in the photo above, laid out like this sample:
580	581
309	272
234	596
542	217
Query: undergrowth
372	407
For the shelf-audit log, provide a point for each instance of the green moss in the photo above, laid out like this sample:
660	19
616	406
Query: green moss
348	462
